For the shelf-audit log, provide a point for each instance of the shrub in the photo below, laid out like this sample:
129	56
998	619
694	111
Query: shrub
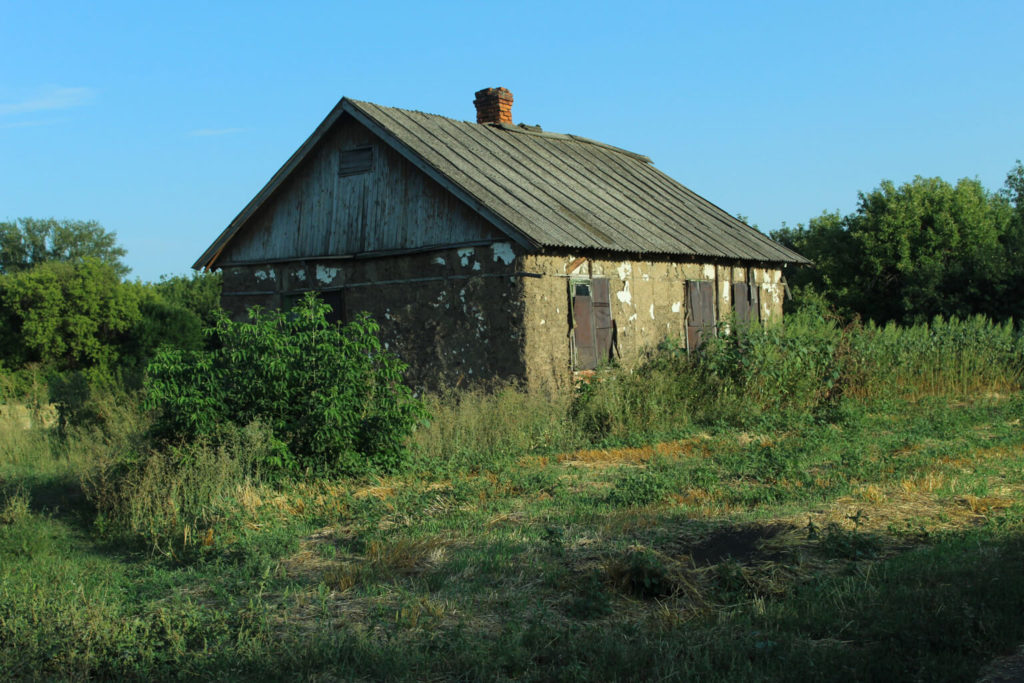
332	396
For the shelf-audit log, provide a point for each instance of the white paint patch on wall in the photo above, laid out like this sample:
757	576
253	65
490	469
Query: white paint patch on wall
262	275
632	318
503	252
464	255
300	274
677	306
476	265
709	271
326	275
652	311
625	270
624	296
439	260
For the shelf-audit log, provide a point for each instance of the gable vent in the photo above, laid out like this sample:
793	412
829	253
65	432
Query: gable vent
358	160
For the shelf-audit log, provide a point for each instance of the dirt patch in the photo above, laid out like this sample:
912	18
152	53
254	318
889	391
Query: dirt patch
739	544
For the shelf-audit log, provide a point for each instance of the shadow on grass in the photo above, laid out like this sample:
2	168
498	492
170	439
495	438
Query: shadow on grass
938	611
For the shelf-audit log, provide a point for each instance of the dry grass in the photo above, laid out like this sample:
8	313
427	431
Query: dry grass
635	455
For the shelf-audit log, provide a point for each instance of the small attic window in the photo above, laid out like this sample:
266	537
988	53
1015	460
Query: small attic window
353	161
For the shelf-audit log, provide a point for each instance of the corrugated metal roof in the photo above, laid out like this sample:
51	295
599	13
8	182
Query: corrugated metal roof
548	189
567	191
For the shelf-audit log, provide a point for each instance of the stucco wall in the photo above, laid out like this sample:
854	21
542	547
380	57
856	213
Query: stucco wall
454	315
648	304
463	314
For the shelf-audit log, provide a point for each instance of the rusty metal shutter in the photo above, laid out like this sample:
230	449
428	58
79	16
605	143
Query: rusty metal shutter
700	312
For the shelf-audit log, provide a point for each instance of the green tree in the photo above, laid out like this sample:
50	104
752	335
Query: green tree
1013	192
28	242
913	251
198	293
66	315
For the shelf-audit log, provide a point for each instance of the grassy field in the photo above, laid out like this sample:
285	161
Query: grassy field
885	541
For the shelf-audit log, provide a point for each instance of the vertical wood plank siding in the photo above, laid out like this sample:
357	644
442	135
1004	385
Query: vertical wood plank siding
319	212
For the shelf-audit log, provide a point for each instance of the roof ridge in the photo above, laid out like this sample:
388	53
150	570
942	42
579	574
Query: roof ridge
525	129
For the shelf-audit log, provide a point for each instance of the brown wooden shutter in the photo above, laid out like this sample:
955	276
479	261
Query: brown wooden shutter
746	302
741	302
584	336
604	327
700	312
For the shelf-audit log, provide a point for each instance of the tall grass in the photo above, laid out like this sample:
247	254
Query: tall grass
172	499
949	357
476	427
801	369
171	496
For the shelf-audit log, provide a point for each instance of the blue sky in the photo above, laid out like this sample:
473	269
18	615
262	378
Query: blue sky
161	120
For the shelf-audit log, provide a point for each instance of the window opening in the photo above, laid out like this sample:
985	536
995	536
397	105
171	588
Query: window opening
336	300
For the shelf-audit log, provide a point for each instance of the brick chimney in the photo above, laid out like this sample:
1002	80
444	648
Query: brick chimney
493	105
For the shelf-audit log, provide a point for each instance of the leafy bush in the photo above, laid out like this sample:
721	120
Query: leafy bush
332	396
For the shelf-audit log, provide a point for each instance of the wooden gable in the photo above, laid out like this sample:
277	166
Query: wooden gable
354	194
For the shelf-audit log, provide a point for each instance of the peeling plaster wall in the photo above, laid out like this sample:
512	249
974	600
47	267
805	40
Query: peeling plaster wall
476	313
453	315
648	302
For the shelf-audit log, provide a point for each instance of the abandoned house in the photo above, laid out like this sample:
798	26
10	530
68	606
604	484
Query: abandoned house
491	249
